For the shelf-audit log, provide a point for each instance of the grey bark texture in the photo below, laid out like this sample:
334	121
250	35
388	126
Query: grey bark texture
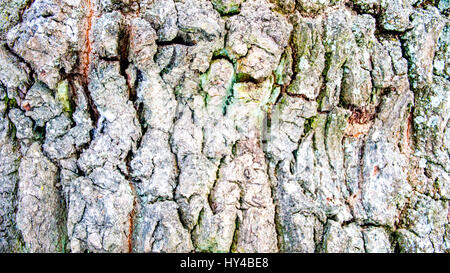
225	126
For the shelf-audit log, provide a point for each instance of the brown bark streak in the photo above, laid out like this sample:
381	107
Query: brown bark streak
86	58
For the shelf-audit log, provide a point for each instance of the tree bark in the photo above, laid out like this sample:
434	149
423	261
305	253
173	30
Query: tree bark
224	126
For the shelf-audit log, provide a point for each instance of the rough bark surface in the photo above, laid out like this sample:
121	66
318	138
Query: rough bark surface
224	126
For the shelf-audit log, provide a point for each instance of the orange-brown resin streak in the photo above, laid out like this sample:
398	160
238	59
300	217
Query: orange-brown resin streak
86	57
